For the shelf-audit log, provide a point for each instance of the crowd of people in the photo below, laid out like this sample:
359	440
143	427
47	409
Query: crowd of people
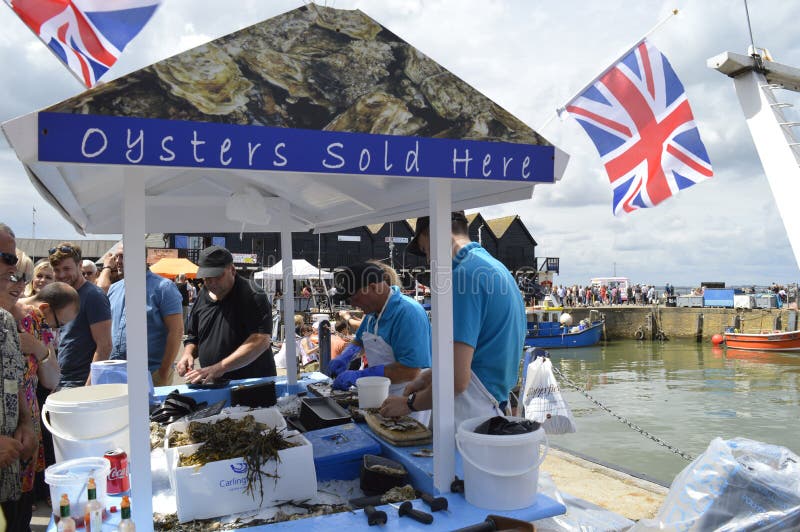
64	313
592	295
641	294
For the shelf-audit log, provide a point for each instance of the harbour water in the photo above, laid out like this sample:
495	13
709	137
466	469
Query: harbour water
683	392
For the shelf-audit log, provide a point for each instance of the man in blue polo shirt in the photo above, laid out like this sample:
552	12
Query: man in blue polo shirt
488	329
395	333
164	323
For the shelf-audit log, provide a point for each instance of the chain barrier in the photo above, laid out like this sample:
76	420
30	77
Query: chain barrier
634	426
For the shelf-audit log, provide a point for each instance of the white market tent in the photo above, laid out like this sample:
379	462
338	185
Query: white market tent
301	269
206	162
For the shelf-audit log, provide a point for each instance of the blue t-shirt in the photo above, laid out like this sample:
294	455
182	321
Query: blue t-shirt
162	299
76	347
488	315
405	327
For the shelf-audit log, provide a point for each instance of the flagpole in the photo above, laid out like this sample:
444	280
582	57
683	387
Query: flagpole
614	62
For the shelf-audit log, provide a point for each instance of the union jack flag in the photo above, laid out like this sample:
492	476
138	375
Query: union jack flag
87	35
639	119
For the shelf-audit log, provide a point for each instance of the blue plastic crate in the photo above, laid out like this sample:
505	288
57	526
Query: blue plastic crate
338	451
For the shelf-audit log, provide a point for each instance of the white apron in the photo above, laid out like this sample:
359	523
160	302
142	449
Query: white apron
379	353
475	401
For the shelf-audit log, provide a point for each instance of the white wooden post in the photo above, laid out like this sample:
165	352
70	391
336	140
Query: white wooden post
288	295
136	330
442	341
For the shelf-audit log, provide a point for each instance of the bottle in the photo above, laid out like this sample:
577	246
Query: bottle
93	514
66	523
126	524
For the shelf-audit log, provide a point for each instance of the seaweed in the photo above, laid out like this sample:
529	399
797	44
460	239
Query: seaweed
227	439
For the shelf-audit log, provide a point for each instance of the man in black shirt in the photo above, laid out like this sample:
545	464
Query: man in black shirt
230	326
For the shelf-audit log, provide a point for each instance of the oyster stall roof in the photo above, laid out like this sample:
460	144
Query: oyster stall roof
322	107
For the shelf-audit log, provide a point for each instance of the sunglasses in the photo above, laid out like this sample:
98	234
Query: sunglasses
55	317
62	249
18	277
9	258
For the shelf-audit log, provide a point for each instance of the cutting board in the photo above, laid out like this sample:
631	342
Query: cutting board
419	434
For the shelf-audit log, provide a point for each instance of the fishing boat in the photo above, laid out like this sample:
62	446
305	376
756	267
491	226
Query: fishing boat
550	329
763	341
550	335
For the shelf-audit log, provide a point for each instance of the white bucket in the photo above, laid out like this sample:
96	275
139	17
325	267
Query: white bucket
500	472
88	420
72	477
372	391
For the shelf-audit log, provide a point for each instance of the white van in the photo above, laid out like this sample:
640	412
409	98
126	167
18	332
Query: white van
622	283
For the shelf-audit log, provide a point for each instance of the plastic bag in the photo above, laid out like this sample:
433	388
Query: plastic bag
542	399
501	426
736	484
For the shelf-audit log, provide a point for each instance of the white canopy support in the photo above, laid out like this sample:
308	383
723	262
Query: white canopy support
136	315
444	466
288	298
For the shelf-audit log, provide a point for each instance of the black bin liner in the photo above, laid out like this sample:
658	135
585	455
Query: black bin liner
501	426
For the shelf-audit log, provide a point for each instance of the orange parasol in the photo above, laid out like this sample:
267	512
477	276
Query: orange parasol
170	268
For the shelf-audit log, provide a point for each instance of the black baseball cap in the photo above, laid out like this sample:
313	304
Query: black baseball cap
353	278
423	223
213	261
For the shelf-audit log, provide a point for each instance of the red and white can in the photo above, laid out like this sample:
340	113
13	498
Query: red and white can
118	480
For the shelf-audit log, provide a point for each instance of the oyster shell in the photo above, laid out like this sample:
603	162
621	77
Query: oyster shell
451	98
283	70
206	77
495	124
358	69
280	33
515	130
378	113
418	66
353	23
318	42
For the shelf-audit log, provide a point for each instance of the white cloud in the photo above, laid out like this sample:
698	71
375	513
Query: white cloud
529	57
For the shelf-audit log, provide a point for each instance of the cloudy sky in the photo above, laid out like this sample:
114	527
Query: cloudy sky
528	56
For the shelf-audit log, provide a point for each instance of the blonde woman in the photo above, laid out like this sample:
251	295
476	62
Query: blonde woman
42	276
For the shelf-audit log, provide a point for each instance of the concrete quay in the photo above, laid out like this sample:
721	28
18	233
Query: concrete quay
625	321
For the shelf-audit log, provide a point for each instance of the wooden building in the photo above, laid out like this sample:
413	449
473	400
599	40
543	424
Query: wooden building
506	238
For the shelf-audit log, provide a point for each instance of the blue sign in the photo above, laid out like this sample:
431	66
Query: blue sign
76	138
182	241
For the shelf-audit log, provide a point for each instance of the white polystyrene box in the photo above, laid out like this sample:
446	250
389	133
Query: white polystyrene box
218	488
271	417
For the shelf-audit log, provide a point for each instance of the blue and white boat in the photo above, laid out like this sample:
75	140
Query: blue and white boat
549	328
550	335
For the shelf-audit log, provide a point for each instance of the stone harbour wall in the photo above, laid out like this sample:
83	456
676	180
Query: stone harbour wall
681	322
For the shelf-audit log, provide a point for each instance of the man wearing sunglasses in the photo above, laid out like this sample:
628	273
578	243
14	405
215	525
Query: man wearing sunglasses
17	439
87	338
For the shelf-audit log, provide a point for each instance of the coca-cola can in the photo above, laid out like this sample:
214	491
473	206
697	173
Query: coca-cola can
118	480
